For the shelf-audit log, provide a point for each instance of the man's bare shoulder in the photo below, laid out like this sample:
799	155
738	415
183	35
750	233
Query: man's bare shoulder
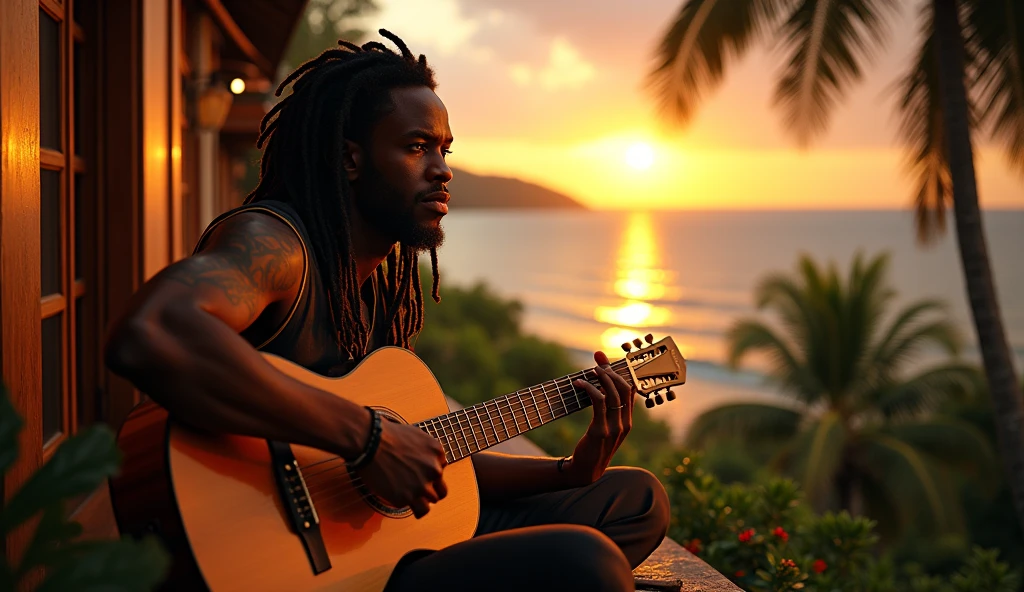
248	252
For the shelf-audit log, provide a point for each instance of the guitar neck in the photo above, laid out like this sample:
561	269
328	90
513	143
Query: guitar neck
470	430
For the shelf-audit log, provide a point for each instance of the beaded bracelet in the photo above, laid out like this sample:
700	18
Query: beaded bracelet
372	443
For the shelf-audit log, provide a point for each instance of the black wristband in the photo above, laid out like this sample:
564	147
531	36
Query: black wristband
372	442
562	460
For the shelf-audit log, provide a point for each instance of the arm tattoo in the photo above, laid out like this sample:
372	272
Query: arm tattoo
251	260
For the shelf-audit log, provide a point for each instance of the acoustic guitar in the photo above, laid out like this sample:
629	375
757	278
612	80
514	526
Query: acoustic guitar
241	513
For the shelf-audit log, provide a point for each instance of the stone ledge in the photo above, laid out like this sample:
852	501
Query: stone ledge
672	568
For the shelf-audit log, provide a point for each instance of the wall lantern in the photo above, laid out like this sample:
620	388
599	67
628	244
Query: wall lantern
213	104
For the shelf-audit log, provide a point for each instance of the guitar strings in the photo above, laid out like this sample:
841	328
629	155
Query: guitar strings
617	366
430	426
355	482
461	424
329	503
578	405
456	451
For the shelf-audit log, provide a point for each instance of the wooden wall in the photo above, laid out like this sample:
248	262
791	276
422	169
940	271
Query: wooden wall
20	339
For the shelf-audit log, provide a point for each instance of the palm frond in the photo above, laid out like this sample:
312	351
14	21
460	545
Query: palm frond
912	340
751	421
787	370
823	457
826	40
702	38
923	131
927	391
906	474
996	38
950	442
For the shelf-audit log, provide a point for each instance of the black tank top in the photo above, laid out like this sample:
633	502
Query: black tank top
307	335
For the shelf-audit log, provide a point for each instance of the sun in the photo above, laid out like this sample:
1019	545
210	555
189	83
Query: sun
640	156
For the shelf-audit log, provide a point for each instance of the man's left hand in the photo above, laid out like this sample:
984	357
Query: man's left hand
613	417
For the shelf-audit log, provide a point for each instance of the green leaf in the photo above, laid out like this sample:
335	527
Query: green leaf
824	456
997	40
123	565
693	52
78	466
827	40
10	425
764	575
748	420
51	533
898	459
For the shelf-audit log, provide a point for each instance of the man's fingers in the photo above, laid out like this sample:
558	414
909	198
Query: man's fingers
610	392
419	507
441	488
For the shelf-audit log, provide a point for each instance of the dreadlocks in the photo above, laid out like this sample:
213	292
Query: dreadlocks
346	89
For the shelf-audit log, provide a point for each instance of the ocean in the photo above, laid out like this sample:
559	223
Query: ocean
593	279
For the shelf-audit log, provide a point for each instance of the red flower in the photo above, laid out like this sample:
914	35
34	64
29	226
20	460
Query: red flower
693	546
746	535
819	566
781	533
788	563
740	573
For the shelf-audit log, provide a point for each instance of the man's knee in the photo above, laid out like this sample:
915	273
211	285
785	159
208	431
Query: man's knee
589	560
644	492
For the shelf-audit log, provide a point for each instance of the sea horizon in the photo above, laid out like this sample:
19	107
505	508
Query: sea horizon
591	279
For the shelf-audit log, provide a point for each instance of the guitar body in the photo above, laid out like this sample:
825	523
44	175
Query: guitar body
215	502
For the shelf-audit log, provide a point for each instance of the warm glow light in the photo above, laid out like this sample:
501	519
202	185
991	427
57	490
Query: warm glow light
613	338
632	314
238	86
640	156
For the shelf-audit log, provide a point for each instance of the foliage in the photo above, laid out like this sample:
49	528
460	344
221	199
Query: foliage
320	27
765	537
826	46
78	467
474	345
859	434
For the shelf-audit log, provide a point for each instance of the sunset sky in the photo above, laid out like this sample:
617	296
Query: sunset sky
552	92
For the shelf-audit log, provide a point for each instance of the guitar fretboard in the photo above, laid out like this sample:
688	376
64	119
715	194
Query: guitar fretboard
470	430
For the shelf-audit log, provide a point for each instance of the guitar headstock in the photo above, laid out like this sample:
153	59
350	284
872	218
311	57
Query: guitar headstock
655	368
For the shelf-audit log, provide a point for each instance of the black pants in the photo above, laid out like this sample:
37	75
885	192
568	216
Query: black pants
589	538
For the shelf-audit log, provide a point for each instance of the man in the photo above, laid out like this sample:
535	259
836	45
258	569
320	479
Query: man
320	267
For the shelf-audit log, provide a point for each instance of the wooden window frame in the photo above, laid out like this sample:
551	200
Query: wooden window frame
75	285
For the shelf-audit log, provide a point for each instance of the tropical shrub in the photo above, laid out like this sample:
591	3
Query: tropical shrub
764	536
78	467
860	432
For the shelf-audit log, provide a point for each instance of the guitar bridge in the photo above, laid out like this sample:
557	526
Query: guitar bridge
299	505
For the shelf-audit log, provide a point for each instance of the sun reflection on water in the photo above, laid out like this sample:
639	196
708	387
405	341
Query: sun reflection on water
640	281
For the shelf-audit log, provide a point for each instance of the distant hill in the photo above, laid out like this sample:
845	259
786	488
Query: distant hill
483	191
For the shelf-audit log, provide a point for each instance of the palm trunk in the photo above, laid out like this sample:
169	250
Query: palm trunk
981	291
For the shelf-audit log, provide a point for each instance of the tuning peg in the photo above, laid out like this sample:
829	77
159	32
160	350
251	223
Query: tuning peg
626	347
638	343
658	399
670	395
649	403
649	338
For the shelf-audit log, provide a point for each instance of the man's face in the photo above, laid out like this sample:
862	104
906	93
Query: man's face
400	185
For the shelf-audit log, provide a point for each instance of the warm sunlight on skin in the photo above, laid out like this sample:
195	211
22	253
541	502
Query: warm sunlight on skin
640	156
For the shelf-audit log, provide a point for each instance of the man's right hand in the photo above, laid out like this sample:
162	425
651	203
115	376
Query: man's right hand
407	468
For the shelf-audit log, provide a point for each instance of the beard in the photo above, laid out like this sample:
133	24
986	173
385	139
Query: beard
385	208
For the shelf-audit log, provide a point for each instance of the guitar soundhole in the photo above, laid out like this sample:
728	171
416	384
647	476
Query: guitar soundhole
373	501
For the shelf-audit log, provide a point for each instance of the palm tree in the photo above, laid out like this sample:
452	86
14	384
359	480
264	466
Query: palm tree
858	434
978	41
